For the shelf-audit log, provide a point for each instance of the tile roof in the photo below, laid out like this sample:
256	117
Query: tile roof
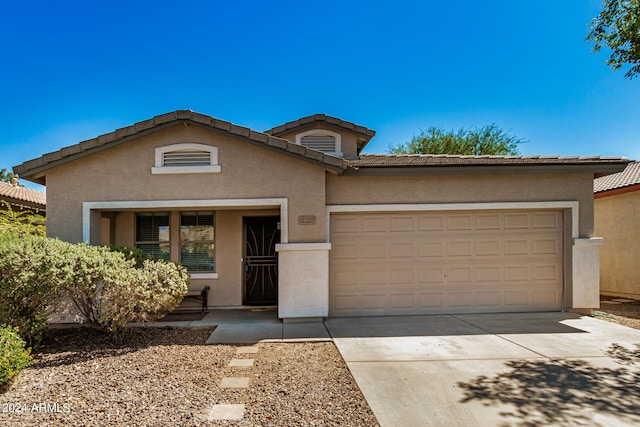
169	119
422	160
22	194
322	118
628	177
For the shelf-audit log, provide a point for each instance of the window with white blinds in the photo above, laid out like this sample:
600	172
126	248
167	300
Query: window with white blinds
152	234
197	241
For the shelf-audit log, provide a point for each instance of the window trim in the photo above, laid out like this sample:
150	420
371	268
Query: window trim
160	168
322	132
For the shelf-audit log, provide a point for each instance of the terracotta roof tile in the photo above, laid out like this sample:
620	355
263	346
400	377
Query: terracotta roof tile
628	177
22	193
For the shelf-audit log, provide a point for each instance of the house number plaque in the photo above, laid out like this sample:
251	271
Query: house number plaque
307	220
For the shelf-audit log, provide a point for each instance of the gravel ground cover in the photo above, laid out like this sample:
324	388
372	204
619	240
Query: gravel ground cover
161	377
622	311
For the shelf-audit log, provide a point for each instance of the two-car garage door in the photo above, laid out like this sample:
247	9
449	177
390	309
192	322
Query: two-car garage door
445	262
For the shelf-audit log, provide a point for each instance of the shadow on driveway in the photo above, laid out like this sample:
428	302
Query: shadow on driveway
564	392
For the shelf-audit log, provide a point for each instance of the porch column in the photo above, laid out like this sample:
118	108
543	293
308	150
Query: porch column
586	272
303	280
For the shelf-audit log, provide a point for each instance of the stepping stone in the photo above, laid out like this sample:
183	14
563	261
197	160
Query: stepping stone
242	363
234	382
226	412
253	349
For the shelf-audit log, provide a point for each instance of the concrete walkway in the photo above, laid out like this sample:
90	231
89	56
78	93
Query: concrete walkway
556	369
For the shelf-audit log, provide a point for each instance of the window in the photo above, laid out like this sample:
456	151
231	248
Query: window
186	158
197	241
321	140
152	234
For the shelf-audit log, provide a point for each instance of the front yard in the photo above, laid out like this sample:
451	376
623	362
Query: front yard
160	377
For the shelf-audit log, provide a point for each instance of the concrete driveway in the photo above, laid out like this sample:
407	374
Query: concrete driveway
528	369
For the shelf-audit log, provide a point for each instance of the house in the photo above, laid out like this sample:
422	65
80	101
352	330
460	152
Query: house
21	198
617	219
298	217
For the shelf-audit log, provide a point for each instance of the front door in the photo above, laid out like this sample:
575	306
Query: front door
261	260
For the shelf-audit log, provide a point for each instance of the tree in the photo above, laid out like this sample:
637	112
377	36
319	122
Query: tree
618	28
6	176
487	140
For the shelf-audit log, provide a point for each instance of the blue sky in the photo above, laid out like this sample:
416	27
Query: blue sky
72	70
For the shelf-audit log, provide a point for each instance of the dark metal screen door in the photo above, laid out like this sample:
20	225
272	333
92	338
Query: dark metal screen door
261	261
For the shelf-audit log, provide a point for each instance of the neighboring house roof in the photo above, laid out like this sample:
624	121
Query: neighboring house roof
30	169
22	197
364	134
627	180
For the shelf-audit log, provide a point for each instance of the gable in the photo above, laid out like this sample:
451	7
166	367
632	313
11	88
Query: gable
36	169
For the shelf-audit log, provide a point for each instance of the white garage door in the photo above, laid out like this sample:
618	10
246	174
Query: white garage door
445	262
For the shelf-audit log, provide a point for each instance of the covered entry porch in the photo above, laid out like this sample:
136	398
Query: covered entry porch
243	254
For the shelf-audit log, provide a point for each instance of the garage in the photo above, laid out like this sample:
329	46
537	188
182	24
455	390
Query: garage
388	263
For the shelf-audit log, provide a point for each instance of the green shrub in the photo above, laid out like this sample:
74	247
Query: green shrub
105	286
13	355
135	254
21	222
33	272
143	294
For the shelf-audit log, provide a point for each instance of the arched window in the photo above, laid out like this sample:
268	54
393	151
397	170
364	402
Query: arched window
186	158
321	140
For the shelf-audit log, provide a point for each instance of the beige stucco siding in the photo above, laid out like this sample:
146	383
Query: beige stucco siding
473	188
124	173
617	219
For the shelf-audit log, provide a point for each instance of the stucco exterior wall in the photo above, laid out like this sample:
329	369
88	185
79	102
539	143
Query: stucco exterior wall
123	173
355	190
617	219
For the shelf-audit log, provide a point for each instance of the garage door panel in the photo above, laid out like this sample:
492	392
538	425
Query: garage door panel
446	262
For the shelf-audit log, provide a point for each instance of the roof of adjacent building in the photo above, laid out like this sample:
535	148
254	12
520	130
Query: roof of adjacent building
630	176
18	193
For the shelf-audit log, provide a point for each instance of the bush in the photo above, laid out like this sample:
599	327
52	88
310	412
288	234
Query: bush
21	222
33	272
110	290
13	355
144	294
106	287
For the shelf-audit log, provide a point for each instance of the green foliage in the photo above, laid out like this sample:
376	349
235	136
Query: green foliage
487	140
108	289
33	272
21	222
618	28
14	357
6	176
135	254
145	294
